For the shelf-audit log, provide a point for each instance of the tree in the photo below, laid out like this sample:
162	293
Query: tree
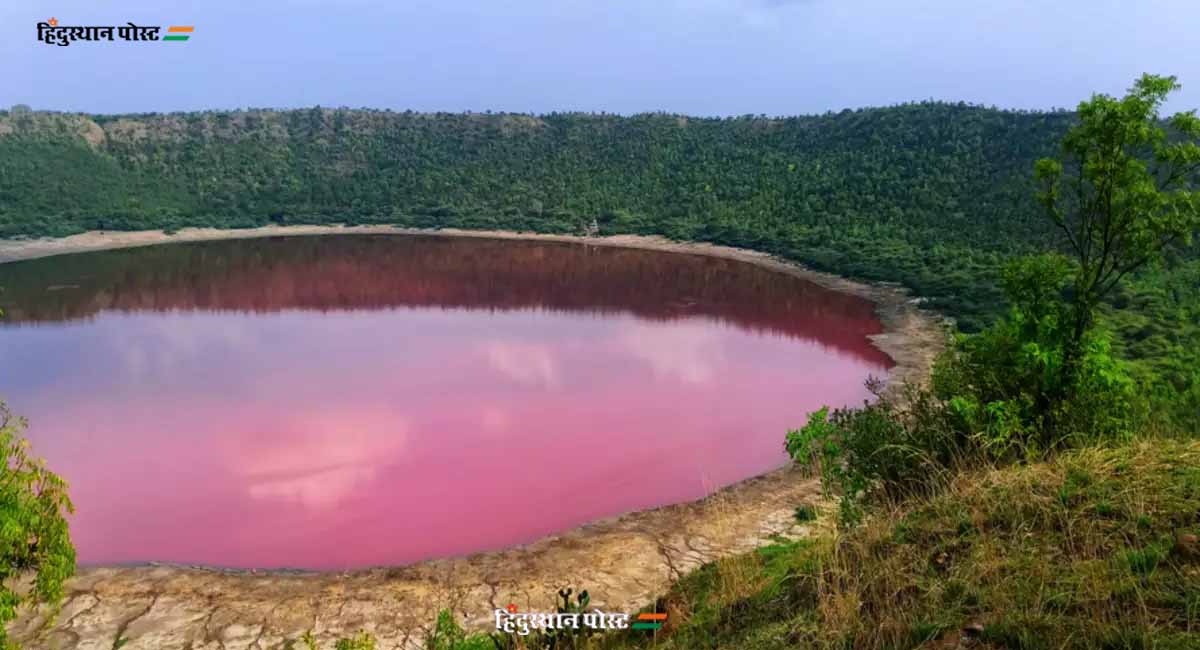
33	528
1122	193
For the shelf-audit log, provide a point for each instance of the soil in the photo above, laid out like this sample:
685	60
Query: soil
624	562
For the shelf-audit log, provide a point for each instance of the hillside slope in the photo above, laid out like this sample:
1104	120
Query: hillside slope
1094	549
925	194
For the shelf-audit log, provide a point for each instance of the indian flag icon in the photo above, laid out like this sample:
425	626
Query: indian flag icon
649	621
178	32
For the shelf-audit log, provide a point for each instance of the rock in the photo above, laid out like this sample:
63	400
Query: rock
1187	545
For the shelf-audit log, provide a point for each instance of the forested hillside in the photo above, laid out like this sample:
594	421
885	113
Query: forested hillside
930	195
924	194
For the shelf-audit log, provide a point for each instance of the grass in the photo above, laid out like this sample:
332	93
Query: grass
1093	549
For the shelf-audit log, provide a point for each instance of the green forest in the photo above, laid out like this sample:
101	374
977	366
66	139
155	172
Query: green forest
933	196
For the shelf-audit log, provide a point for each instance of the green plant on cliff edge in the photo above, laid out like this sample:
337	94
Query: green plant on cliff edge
361	641
449	635
34	540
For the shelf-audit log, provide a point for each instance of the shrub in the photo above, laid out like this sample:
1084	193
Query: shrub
1001	395
33	528
1009	386
449	635
805	513
362	641
880	451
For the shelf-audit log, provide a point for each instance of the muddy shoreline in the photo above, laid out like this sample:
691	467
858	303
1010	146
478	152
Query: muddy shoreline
624	561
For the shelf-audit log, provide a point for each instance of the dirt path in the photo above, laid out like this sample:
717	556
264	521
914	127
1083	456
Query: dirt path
624	562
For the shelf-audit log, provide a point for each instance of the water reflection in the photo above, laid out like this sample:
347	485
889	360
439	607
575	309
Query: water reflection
353	401
379	272
522	363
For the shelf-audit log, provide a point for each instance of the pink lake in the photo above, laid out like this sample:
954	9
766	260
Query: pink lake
350	401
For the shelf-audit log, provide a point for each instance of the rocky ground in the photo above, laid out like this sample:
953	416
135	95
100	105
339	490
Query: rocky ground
623	562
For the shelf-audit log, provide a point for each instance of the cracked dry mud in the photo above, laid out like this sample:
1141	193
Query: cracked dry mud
624	562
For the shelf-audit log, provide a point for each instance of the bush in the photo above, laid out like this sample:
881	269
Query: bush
449	635
881	451
1009	386
1001	395
362	641
33	528
805	514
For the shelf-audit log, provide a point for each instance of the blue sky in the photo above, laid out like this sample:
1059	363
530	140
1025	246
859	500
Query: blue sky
700	57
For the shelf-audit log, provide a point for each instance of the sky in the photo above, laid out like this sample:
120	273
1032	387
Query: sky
698	57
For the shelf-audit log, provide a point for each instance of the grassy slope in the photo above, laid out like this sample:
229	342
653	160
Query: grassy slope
1095	549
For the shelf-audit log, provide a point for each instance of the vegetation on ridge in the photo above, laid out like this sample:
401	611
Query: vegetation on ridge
934	196
931	195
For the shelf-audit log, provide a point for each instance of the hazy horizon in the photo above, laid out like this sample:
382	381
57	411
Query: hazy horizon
704	58
278	109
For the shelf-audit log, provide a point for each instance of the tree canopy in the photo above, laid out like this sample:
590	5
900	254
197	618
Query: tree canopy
1130	192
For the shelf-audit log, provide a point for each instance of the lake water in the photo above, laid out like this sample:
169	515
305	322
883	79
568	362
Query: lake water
349	401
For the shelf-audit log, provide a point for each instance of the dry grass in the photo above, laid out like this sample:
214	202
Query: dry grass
1094	549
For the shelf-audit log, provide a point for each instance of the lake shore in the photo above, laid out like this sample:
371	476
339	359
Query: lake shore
624	562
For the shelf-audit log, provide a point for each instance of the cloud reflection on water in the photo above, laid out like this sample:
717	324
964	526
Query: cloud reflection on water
320	458
689	351
523	363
